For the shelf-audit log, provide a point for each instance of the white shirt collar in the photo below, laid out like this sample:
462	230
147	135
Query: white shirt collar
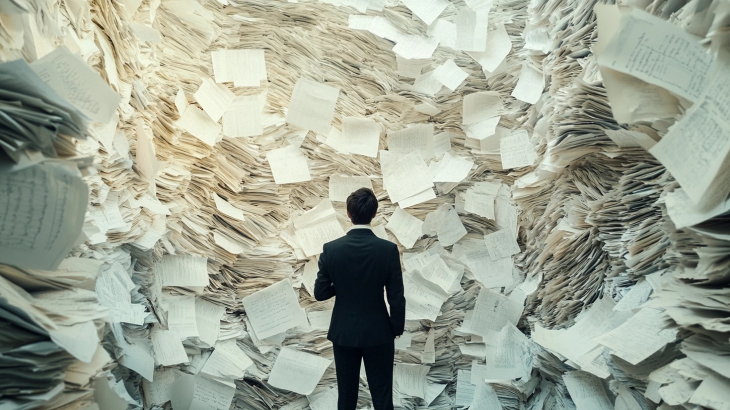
360	227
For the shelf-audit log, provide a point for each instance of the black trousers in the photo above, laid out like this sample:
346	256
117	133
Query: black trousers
378	368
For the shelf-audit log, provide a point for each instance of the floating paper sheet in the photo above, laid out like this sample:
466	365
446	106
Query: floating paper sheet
471	30
406	177
168	348
450	75
452	168
41	213
480	106
415	46
312	106
214	98
341	186
297	371
182	270
288	165
245	68
410	379
426	10
242	118
530	85
516	150
75	81
497	48
405	227
644	37
586	391
274	310
199	392
416	138
360	136
199	124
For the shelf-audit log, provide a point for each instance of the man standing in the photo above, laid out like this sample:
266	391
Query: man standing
356	268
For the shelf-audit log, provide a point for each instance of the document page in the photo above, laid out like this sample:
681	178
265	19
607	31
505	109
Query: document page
312	106
492	311
361	136
450	75
480	106
410	379
168	348
288	165
516	150
406	227
274	310
510	358
497	49
214	98
586	391
297	371
182	270
501	244
415	138
242	118
639	337
530	85
659	53
201	393
41	215
341	186
75	81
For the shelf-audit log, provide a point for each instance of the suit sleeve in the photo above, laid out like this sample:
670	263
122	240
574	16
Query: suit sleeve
323	286
394	291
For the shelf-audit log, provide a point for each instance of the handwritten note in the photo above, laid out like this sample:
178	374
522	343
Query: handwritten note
516	150
75	81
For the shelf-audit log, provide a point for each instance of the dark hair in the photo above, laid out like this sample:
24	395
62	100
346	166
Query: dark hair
362	205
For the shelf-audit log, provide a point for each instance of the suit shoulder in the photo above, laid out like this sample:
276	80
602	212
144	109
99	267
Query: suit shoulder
386	244
335	243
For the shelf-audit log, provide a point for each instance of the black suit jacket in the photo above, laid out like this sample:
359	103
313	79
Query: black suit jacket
356	268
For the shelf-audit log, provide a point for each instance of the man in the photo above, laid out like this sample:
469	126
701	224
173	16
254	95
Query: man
356	268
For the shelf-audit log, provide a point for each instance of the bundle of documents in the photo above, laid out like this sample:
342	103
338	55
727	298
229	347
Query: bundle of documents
554	174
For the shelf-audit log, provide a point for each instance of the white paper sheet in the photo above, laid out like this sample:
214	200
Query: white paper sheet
168	348
274	310
312	106
497	49
406	227
516	150
361	136
75	81
410	379
658	52
288	165
450	75
415	138
297	371
199	125
530	85
242	118
214	98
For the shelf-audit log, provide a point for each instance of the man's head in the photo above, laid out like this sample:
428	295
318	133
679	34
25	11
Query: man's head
362	205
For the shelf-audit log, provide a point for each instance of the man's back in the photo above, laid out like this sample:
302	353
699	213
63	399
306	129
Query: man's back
356	268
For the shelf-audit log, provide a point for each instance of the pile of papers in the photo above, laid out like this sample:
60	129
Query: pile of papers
553	173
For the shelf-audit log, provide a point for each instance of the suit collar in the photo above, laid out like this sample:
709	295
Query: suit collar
360	232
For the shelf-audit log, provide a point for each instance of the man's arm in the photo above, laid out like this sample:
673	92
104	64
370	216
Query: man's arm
394	290
323	286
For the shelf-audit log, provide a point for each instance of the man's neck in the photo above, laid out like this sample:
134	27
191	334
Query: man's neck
361	226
